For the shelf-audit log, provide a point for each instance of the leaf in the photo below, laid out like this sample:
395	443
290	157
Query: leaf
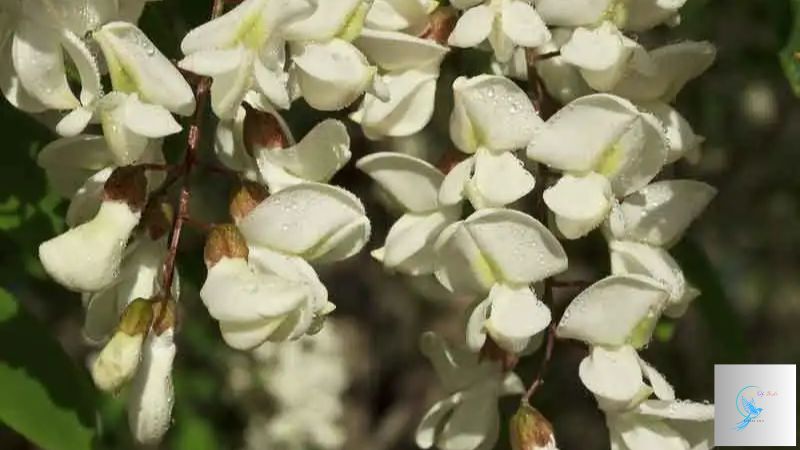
729	343
790	53
44	395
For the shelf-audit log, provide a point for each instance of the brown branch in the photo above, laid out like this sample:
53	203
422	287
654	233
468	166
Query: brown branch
548	355
184	171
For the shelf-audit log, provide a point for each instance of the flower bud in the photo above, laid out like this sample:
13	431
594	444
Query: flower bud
127	184
117	362
263	130
152	396
165	315
530	430
246	198
224	241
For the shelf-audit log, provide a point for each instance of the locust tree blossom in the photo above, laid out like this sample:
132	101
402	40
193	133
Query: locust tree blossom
468	419
414	184
491	118
505	24
619	150
409	16
260	285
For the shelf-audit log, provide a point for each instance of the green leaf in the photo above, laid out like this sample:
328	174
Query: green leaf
729	343
788	54
44	395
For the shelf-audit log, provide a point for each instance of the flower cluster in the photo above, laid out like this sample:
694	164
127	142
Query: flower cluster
592	165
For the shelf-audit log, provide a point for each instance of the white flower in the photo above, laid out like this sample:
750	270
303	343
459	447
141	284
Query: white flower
491	117
412	66
243	50
660	213
639	15
311	220
414	184
409	16
468	418
496	246
667	424
512	316
672	66
616	311
87	257
618	151
506	24
151	398
656	263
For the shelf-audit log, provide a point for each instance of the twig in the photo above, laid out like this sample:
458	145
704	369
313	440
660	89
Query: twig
548	354
184	171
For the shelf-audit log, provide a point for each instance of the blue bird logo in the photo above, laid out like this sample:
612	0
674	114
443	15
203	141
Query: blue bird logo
747	408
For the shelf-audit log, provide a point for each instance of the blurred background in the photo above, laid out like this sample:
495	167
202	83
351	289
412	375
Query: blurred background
362	383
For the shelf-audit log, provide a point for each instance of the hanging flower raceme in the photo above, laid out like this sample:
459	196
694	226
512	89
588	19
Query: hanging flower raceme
414	184
491	118
260	285
87	258
468	419
506	24
619	150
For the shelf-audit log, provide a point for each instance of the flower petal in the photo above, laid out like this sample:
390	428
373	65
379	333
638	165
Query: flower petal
39	63
393	51
409	243
521	249
653	262
331	75
473	422
327	20
453	186
304	219
149	120
611	311
661	387
135	62
413	182
614	377
602	119
318	156
572	13
499	111
660	213
224	31
523	25
516	316
472	28
681	138
579	203
500	179
677	410
431	422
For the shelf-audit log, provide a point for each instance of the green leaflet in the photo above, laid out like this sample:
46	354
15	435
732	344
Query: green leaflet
45	397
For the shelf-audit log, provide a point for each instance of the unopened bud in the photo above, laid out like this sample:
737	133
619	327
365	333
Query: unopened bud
262	130
152	394
246	197
440	24
127	184
530	430
157	219
224	241
117	362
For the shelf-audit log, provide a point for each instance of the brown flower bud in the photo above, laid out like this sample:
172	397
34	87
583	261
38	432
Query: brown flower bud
127	184
224	241
137	318
164	314
157	219
530	430
262	130
245	198
440	24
